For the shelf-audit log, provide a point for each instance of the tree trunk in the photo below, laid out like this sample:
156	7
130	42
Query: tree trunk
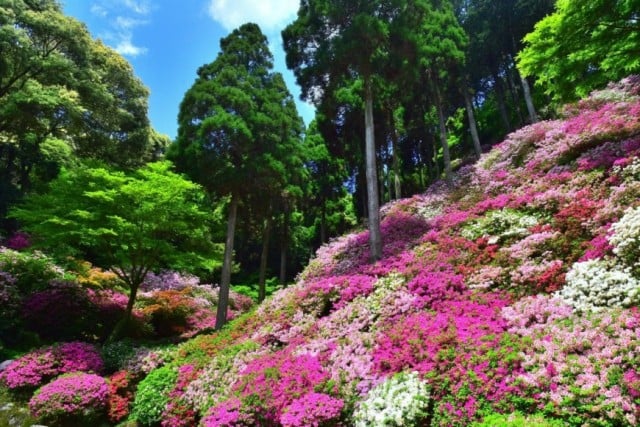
284	243
446	156
262	275
225	281
323	223
501	103
526	89
473	127
514	95
395	163
375	239
124	323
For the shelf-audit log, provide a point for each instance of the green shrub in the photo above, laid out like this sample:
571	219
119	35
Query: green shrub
152	395
116	354
517	419
32	271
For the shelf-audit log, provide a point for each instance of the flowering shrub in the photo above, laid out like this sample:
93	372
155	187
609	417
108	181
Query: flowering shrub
61	312
32	271
574	364
18	241
400	400
120	396
273	381
500	225
77	397
626	237
230	413
312	410
178	413
168	280
39	366
594	285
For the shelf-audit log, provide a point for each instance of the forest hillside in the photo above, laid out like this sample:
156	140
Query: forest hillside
505	298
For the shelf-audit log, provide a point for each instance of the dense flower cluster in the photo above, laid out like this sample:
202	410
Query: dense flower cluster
312	410
400	400
596	285
37	367
76	396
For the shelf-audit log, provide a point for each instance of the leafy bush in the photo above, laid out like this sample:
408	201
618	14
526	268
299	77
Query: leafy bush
121	389
153	394
517	420
32	271
115	354
9	303
401	400
168	311
78	398
36	368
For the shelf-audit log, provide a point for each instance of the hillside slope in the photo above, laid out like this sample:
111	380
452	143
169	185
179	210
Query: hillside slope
509	298
515	290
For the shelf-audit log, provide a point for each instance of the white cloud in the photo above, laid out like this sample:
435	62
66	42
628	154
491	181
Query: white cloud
121	18
270	15
127	48
141	7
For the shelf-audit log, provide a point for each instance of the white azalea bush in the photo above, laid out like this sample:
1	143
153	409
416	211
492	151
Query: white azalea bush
400	400
597	284
500	225
626	237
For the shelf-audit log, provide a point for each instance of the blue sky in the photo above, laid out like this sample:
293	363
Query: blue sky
167	40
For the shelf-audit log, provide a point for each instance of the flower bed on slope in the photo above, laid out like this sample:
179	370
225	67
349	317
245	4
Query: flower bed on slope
510	298
485	297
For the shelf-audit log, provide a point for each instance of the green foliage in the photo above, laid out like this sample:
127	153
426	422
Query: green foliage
116	353
251	289
153	394
582	46
31	270
131	223
516	419
62	94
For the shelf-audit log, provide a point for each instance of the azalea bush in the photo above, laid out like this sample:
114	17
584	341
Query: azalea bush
400	400
79	398
37	367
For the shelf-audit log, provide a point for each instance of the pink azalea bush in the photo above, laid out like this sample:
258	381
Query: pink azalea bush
36	368
78	397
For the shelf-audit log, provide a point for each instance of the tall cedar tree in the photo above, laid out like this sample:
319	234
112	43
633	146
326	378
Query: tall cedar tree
331	39
235	134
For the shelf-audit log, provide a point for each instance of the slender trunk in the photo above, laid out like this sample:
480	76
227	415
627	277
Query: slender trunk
283	262
125	322
395	163
375	239
446	156
501	103
526	89
225	281
473	127
323	223
514	95
262	275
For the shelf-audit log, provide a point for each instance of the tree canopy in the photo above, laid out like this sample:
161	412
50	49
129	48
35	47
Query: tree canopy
239	132
131	223
582	46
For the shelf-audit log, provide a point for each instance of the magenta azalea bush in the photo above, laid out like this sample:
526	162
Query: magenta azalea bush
38	367
79	396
